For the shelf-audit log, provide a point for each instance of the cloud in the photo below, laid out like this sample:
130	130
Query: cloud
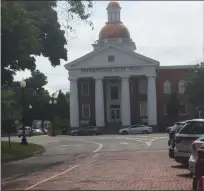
169	31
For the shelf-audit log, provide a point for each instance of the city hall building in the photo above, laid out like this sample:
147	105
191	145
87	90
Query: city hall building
115	86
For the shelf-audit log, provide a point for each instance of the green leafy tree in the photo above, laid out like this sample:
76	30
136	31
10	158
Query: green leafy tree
62	107
173	106
75	12
195	87
35	95
32	29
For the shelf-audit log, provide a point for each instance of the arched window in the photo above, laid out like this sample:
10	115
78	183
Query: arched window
181	86
167	87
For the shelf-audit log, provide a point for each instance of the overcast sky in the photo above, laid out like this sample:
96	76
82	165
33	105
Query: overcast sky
168	31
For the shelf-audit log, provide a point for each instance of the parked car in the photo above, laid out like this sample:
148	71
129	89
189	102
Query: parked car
20	131
198	178
194	155
191	131
135	129
173	130
86	130
37	131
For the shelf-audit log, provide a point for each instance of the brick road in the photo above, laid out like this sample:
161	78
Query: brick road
112	170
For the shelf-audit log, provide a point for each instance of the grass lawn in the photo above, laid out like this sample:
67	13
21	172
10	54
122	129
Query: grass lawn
18	151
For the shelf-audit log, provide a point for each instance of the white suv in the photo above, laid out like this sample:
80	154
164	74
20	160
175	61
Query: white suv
191	131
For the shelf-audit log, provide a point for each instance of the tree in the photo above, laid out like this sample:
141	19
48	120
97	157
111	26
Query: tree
29	29
195	87
32	29
173	107
62	107
73	11
35	94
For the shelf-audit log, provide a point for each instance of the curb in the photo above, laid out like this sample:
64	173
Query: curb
39	152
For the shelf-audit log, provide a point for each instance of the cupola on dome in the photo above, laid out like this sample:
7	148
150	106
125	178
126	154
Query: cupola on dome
113	4
114	28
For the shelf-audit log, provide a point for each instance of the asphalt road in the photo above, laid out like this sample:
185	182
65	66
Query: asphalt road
67	149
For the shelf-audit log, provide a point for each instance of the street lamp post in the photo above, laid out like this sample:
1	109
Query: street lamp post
30	108
53	102
23	85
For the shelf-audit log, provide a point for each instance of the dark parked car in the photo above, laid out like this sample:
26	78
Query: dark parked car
86	130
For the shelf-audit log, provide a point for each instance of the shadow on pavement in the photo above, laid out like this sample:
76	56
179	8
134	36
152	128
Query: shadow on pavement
180	166
186	175
12	172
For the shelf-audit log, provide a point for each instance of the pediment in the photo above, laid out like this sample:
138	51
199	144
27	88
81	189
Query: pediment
99	58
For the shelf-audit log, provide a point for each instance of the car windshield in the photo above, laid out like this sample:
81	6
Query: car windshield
194	127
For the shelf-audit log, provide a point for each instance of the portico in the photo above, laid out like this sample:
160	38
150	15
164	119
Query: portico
110	109
102	81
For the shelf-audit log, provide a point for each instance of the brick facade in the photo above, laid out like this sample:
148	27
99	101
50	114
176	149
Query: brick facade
173	76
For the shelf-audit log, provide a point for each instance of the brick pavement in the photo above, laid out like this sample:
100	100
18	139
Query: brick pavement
115	171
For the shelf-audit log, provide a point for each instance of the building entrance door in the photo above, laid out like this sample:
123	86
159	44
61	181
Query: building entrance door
115	113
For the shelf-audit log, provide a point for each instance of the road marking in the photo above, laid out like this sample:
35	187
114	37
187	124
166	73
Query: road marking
95	155
54	176
64	145
123	143
79	145
113	150
149	143
99	144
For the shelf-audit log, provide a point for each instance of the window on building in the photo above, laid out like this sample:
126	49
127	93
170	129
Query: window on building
85	111
143	109
167	87
85	89
114	92
143	86
165	109
181	86
182	109
111	58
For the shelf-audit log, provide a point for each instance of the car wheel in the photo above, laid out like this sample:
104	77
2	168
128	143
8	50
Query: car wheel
144	132
124	133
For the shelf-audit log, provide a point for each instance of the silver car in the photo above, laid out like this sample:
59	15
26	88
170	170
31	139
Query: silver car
194	155
135	129
191	131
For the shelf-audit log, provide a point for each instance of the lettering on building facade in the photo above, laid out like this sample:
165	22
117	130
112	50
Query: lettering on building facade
111	69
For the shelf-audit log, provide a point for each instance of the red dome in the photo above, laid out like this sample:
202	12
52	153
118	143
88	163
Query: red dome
113	4
114	30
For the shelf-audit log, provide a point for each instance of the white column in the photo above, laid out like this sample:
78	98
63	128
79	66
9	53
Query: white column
125	101
152	101
74	103
99	102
